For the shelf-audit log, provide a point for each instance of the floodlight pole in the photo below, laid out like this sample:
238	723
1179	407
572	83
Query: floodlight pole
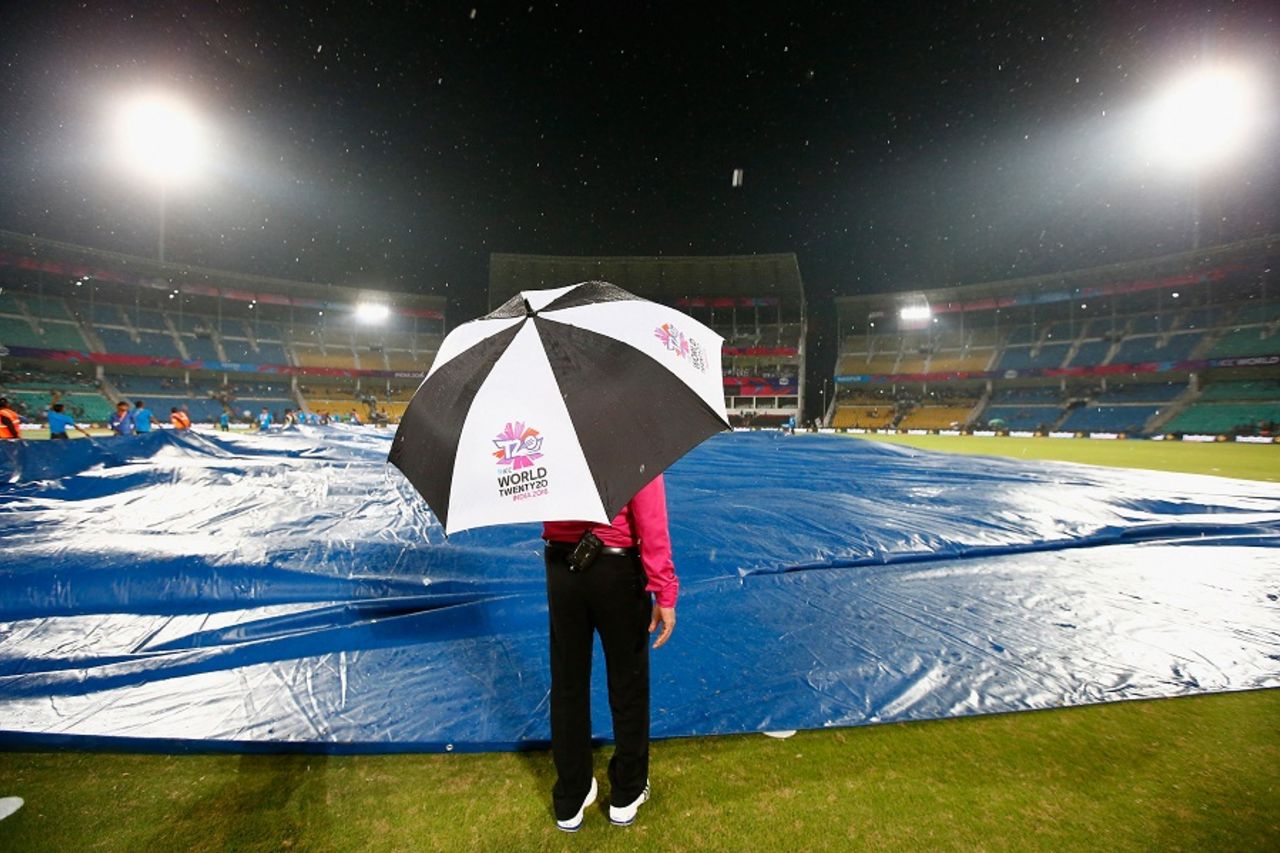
1195	212
160	247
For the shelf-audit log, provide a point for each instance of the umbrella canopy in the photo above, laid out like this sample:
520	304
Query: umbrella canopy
559	406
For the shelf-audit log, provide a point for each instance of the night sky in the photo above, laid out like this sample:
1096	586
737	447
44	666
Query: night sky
890	146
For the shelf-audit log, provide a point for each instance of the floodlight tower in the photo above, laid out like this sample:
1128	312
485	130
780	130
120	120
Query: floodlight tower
162	141
1198	123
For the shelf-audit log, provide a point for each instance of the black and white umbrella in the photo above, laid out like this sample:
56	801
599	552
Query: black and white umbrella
559	406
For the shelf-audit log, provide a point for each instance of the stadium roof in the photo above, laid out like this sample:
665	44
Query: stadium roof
1183	263
663	279
132	269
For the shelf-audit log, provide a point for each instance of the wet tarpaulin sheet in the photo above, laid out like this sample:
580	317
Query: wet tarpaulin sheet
254	592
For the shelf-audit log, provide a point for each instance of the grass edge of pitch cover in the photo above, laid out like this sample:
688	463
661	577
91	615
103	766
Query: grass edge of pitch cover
1219	459
1188	773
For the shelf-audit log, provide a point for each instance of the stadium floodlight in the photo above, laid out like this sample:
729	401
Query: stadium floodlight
1201	119
915	312
160	138
372	312
162	141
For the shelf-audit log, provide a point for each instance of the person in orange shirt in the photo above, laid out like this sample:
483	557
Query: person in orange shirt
179	418
10	422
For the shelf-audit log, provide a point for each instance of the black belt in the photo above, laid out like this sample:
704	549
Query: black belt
567	547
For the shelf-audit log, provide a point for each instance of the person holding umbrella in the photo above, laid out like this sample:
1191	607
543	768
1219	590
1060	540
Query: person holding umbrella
608	594
564	407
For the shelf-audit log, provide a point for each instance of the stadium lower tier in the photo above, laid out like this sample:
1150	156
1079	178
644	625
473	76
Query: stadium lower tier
1266	390
201	409
1223	418
1095	418
865	417
936	417
1022	417
85	407
287	592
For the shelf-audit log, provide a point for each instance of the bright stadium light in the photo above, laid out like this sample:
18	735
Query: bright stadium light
372	312
160	138
1201	119
915	312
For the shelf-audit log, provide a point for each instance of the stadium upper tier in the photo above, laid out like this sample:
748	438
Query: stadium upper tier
58	299
1023	348
54	324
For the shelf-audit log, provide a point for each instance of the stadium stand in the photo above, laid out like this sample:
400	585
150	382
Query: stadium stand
1041	395
864	417
201	348
1180	346
946	362
1092	352
1137	350
1025	417
1096	418
1017	357
756	302
935	417
1266	313
183	336
1127	357
31	394
1152	392
1263	389
307	356
1243	342
162	393
1227	418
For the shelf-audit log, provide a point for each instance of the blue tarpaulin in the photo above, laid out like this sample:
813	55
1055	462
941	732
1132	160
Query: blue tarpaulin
292	591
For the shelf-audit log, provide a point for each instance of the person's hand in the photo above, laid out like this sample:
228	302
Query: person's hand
666	616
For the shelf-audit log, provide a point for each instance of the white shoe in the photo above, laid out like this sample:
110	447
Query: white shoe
573	823
626	815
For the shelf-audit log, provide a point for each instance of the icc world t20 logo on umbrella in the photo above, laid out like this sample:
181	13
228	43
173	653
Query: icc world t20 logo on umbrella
519	447
682	345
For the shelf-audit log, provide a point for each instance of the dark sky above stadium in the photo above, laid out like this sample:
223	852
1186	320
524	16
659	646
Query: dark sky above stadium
890	145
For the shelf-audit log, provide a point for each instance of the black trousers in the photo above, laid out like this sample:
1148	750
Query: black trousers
608	598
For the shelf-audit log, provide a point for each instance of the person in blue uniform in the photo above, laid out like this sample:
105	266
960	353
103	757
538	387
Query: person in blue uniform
121	422
59	421
141	417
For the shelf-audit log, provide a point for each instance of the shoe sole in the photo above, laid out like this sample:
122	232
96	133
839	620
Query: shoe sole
645	799
591	798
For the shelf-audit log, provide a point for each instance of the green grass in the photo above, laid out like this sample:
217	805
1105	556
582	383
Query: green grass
1192	773
1222	459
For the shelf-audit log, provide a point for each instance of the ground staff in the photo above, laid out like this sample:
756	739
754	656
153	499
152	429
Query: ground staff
10	423
60	422
624	595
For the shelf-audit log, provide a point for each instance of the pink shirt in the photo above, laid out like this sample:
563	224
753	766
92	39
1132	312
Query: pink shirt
643	521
